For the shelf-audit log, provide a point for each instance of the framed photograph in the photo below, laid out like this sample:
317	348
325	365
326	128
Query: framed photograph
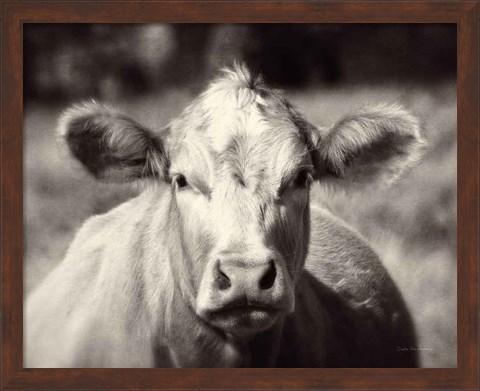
239	195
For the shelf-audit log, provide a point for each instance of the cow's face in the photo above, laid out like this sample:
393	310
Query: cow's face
239	161
240	174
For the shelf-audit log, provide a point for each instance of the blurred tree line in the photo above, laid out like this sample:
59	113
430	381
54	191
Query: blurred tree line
71	61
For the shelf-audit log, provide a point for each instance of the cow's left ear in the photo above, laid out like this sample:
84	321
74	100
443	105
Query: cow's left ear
110	145
376	144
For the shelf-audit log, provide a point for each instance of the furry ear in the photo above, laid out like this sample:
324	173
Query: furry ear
377	144
110	145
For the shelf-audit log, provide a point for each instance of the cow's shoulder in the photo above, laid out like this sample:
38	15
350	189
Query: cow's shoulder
347	278
341	259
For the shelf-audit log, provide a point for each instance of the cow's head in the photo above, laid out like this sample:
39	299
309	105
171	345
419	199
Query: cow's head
240	161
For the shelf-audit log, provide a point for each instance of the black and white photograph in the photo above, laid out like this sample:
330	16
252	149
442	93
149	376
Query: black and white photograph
240	195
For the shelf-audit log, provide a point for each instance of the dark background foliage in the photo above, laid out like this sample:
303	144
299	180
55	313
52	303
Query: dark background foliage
74	61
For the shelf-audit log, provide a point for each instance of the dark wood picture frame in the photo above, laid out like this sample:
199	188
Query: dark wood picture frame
15	13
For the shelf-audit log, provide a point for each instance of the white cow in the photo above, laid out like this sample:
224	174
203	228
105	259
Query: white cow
220	261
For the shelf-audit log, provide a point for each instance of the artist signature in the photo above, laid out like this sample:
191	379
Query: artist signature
413	348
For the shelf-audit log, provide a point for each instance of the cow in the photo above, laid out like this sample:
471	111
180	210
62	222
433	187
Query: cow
221	261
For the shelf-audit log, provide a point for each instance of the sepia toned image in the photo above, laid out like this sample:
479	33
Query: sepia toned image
205	195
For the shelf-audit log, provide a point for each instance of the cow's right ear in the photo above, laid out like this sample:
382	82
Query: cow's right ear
112	146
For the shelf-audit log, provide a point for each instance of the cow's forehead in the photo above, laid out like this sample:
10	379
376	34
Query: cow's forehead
239	120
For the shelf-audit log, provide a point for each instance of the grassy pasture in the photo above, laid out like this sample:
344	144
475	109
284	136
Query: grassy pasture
412	225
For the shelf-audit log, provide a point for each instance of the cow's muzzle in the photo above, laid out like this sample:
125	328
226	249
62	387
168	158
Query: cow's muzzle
243	295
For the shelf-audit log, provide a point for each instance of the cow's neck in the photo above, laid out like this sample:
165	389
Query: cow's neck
193	343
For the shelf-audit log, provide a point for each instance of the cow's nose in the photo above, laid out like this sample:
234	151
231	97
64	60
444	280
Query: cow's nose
239	275
246	286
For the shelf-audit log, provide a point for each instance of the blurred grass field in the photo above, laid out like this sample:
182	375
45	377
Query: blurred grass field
411	225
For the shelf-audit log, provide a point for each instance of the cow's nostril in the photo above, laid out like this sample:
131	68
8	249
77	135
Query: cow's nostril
222	280
268	279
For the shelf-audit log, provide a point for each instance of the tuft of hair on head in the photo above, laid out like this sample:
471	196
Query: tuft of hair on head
234	87
238	75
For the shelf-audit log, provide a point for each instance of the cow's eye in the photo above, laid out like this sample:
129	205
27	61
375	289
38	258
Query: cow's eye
303	179
181	181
